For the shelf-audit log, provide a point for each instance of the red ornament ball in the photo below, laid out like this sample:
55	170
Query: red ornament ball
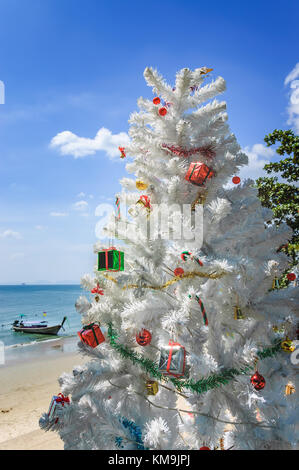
205	448
236	180
258	381
144	338
156	100
178	272
162	111
291	276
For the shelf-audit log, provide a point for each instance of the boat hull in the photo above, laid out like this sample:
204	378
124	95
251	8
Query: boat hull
48	330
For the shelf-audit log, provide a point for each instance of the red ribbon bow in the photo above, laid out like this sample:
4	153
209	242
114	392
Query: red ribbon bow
97	290
122	151
62	399
145	201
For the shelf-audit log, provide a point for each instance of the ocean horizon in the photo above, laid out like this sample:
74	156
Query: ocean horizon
36	302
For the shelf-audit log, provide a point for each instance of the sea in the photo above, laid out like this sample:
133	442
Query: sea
38	302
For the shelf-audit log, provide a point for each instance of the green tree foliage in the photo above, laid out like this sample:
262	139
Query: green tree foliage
282	194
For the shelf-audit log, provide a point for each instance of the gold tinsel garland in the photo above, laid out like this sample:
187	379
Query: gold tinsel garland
188	275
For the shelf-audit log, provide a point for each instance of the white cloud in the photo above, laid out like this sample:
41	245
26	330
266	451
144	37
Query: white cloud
71	144
17	256
81	195
293	107
292	75
40	227
258	156
58	214
80	206
11	234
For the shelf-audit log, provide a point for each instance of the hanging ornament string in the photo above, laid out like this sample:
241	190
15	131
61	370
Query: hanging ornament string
194	412
187	275
200	199
203	310
185	255
117	203
201	386
222	443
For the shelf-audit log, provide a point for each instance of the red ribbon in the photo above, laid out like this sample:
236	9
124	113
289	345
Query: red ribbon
171	344
112	248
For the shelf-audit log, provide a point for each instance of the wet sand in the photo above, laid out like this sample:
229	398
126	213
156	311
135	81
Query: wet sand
28	380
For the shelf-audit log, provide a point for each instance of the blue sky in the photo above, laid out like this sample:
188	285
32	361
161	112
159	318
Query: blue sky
77	66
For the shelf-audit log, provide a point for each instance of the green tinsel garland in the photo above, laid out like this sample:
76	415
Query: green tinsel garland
202	385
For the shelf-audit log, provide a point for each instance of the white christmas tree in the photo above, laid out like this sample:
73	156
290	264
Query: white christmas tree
188	317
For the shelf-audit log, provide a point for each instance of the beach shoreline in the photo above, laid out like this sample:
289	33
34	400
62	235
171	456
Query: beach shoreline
50	347
28	380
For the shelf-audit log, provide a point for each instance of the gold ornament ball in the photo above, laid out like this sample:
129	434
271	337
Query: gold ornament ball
141	185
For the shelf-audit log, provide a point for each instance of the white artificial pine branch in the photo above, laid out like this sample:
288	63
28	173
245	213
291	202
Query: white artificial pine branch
237	247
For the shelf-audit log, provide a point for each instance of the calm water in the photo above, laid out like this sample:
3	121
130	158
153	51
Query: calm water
32	301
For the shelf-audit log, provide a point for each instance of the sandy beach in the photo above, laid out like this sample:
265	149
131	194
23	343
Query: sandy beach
28	382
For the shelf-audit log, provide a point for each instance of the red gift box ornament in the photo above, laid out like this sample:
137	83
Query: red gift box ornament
198	173
91	335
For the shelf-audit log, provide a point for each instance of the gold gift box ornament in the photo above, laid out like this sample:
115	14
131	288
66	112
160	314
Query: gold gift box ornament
287	345
238	315
152	387
290	389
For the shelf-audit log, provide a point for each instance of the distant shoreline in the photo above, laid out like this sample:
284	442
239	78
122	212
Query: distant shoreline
41	284
33	351
37	342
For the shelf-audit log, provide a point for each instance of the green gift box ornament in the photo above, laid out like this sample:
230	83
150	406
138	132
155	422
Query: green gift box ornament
111	260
